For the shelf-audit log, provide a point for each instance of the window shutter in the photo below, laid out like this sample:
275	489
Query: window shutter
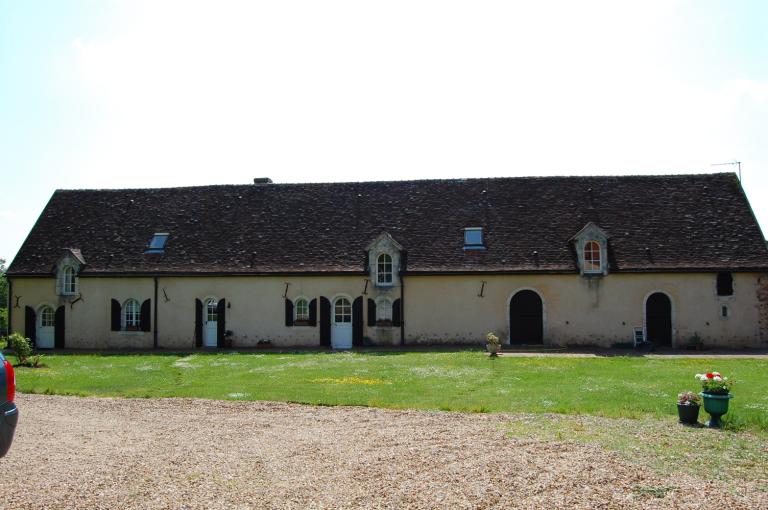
30	324
397	316
357	321
288	312
325	321
58	328
146	315
116	311
371	312
221	323
313	312
198	323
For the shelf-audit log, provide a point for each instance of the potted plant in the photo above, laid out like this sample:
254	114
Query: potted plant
716	391
688	405
493	344
695	343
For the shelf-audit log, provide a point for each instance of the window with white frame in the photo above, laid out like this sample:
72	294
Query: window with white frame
592	261
212	311
67	281
302	310
342	311
383	310
384	269
131	315
47	317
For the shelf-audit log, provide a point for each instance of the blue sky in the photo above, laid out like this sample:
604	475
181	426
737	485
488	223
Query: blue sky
97	94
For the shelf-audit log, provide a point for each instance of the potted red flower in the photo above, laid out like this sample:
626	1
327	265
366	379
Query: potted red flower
716	391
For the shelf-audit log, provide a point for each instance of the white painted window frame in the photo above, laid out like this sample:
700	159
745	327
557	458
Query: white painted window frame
68	281
296	316
600	268
41	313
131	319
383	304
336	299
380	273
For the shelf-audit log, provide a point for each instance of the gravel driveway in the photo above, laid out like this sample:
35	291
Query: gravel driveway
183	453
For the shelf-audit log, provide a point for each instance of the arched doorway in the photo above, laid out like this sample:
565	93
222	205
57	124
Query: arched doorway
526	318
658	319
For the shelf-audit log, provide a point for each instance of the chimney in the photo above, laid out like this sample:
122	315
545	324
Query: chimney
262	180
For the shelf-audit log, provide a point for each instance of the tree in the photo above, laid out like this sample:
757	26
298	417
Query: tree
3	299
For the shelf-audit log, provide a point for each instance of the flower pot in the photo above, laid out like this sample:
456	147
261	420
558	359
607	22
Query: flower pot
716	406
493	349
688	414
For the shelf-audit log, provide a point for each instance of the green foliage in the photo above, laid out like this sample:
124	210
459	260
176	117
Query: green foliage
688	398
617	386
714	383
21	346
3	299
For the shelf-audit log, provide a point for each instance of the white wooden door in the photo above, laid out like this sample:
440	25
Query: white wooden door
341	328
46	320
210	323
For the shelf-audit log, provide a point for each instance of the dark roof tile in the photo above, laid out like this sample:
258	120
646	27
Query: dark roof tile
657	223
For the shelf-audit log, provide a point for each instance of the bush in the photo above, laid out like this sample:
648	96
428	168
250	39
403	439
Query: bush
22	347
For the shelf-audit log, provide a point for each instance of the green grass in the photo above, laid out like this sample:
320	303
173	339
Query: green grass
629	387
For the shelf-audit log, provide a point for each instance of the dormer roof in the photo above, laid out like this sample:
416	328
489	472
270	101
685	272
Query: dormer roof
385	237
590	229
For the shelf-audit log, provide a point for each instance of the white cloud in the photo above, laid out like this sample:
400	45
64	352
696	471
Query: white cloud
191	93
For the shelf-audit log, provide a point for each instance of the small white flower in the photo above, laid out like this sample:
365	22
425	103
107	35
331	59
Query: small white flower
717	378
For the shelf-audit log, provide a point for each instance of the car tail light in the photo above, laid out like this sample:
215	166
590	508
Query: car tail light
10	382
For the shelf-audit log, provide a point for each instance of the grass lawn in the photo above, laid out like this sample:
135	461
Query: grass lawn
619	387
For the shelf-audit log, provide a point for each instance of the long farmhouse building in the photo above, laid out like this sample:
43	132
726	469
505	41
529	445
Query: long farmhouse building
552	260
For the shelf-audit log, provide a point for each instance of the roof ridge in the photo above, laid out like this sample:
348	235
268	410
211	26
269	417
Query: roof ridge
412	181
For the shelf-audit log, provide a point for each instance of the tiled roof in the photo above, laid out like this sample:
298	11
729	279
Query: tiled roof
654	223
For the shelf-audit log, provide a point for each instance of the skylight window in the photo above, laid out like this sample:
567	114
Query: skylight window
473	238
157	244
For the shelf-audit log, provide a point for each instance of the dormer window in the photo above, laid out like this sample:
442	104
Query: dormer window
384	269
592	259
67	281
383	261
473	238
157	243
591	249
68	267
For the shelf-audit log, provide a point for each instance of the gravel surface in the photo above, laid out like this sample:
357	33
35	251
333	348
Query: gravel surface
184	453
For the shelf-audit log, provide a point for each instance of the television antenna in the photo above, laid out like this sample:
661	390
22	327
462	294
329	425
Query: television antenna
734	162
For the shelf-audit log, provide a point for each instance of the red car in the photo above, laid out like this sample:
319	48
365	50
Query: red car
9	413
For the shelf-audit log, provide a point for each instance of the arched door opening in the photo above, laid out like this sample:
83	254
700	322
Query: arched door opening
526	318
658	319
